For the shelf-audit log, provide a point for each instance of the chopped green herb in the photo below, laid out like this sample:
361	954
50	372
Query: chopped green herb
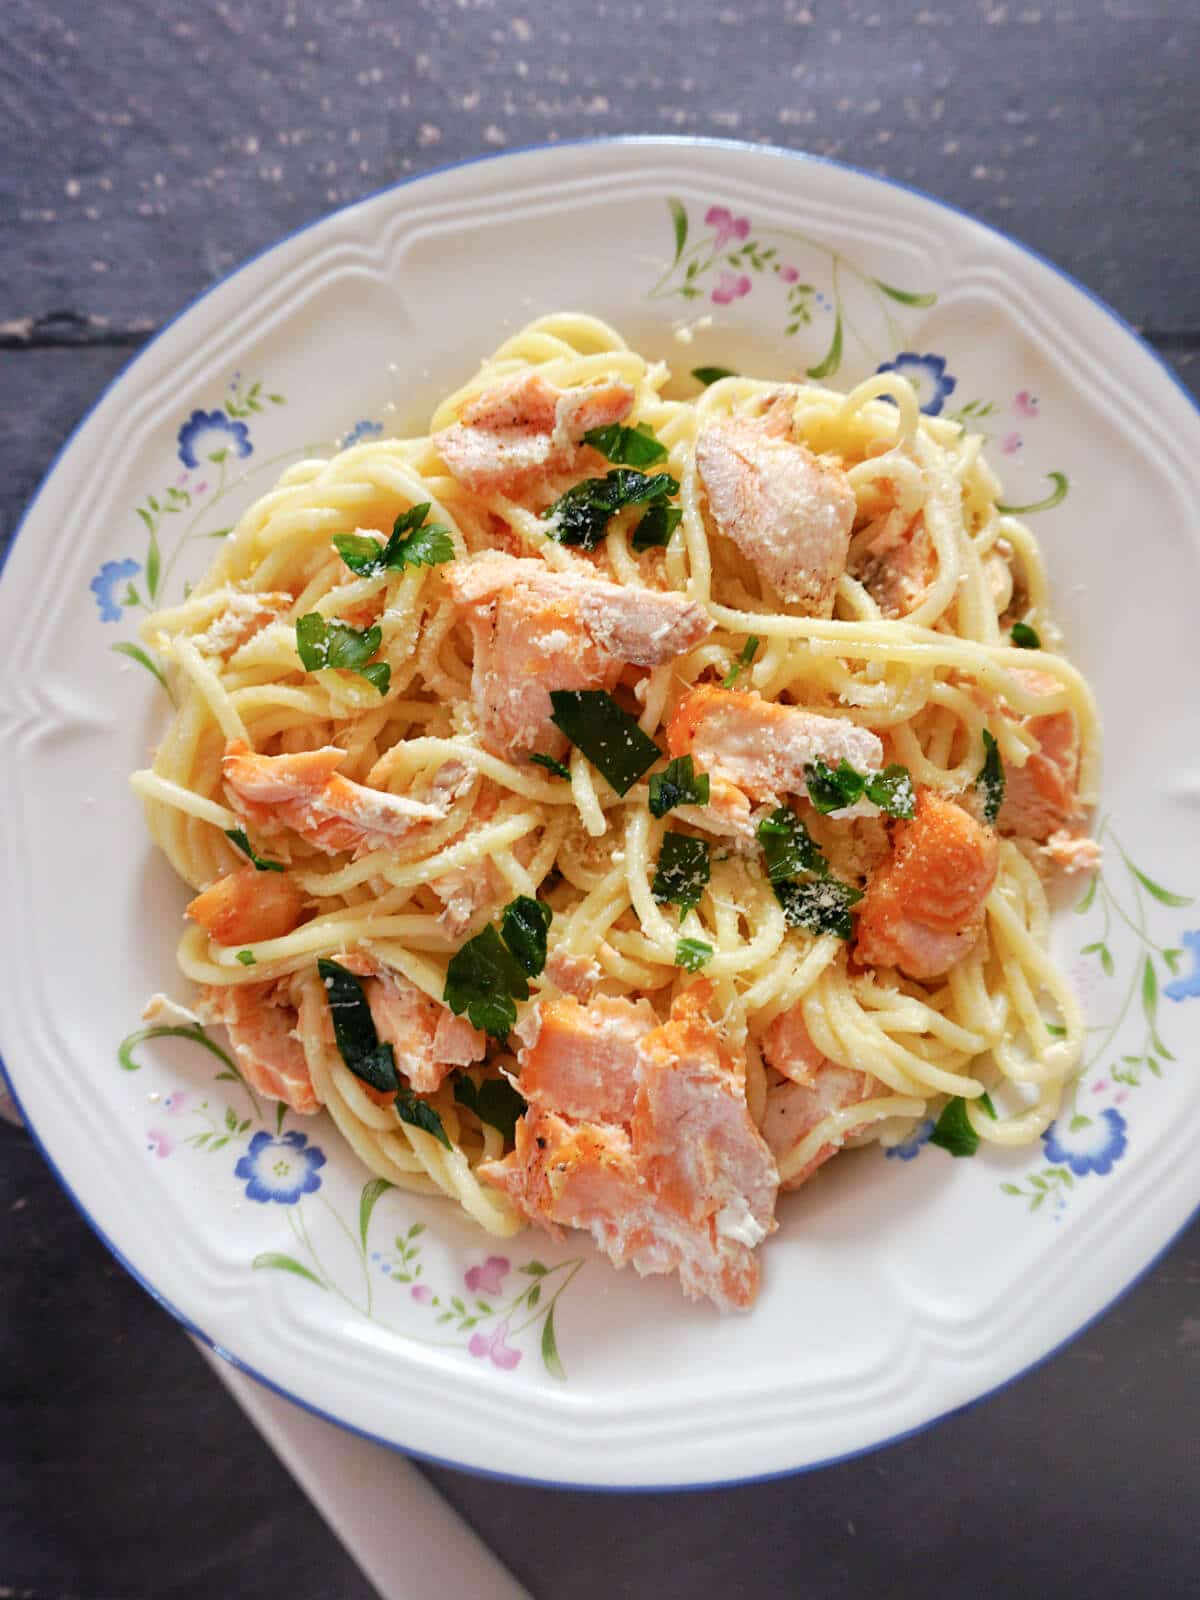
991	779
324	644
656	527
247	958
238	835
354	1028
493	1101
485	979
788	847
985	1100
677	785
683	870
551	765
692	954
822	905
892	791
413	543
581	516
609	737
707	375
831	788
1025	637
1056	1030
953	1131
523	927
745	657
627	447
419	1113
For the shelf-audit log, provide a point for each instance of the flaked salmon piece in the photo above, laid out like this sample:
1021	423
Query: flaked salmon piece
536	630
762	747
788	512
1040	798
788	1047
261	1023
895	562
305	792
244	616
794	1109
247	905
1073	852
428	1041
574	975
512	436
924	907
581	1060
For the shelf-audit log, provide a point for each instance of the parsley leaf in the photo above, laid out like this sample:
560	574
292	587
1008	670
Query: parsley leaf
707	375
609	737
323	644
413	543
523	927
677	785
581	516
892	791
692	954
788	846
682	872
485	979
493	1101
419	1113
1025	637
354	1028
745	656
551	765
991	779
831	788
656	527
239	837
247	958
627	447
953	1132
822	905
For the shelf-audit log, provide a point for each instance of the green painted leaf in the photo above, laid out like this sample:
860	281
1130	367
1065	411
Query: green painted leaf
1085	904
534	1295
136	653
281	1263
550	1357
534	1269
906	297
1009	1188
679	220
197	1035
1055	498
1173	958
1106	961
833	356
1163	896
367	1202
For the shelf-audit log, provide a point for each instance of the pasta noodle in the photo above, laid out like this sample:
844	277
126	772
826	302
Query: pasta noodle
929	682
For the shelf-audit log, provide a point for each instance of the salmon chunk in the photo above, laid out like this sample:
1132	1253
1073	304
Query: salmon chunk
261	1023
580	1060
1040	798
305	793
896	562
574	975
795	1109
513	436
536	630
762	747
788	1047
788	512
428	1041
924	907
247	905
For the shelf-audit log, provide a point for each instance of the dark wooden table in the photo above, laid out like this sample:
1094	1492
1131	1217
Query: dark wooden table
147	148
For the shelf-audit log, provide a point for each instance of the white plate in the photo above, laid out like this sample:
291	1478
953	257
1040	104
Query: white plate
896	1289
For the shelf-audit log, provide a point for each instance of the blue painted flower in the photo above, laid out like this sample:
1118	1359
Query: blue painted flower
928	376
912	1145
363	429
102	585
206	434
1087	1144
280	1169
1187	987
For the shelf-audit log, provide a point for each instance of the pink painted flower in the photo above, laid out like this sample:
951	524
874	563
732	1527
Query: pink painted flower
1010	443
1025	404
176	1102
788	274
421	1293
159	1143
1100	1086
1121	1097
730	288
181	480
726	226
200	487
488	1278
495	1345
